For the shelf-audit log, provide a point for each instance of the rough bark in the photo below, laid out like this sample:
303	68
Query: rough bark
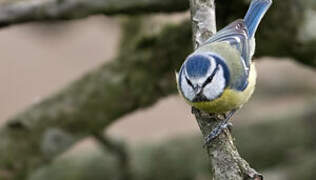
225	160
203	20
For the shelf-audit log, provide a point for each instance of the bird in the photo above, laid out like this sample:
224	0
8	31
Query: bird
219	77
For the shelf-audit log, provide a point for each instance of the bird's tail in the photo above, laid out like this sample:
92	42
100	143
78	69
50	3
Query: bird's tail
255	13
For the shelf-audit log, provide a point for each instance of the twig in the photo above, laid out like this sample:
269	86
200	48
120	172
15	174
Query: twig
226	163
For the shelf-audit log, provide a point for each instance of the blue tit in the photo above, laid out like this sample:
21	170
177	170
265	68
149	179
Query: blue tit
220	75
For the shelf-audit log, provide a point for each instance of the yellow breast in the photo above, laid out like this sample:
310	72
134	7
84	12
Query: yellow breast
230	99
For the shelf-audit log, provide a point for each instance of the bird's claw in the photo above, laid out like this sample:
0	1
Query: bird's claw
229	126
219	129
216	132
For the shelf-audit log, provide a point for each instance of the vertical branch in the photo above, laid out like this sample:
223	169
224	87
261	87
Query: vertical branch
203	20
225	160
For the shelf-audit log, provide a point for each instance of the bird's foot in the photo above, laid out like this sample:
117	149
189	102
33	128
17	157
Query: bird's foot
219	128
216	132
230	126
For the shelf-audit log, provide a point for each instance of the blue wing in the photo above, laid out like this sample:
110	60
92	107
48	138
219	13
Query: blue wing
239	33
236	34
255	14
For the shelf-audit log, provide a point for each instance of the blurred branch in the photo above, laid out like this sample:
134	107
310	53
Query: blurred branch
225	160
283	31
119	151
289	37
141	75
282	142
282	34
20	11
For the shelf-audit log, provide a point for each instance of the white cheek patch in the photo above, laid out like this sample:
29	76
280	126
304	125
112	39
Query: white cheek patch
212	66
186	89
216	87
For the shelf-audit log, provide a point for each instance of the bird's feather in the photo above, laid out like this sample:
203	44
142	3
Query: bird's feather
236	35
255	14
230	99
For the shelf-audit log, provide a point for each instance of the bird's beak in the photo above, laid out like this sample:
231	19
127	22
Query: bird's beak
199	96
198	89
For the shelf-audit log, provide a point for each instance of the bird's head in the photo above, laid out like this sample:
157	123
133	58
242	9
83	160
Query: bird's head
203	77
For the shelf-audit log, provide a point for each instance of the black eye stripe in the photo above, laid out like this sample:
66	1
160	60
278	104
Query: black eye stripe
210	78
189	82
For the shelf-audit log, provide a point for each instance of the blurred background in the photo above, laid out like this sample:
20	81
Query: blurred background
274	131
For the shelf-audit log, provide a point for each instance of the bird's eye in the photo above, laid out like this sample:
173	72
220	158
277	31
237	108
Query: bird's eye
189	82
210	78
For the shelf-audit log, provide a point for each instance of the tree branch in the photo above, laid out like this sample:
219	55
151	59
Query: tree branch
120	153
283	32
20	11
142	74
139	76
203	20
286	143
225	160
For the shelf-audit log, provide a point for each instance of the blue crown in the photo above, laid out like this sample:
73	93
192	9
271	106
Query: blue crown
197	66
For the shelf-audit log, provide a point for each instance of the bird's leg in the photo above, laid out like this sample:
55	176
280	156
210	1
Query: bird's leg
227	117
230	126
218	129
